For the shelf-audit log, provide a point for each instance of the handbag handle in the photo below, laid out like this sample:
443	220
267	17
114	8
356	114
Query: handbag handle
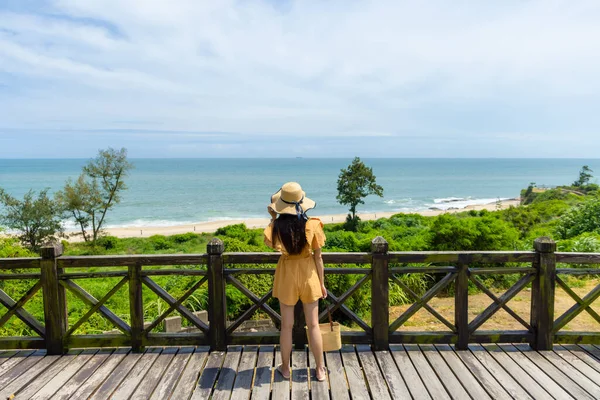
330	320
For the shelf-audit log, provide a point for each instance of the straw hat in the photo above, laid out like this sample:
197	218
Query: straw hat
291	199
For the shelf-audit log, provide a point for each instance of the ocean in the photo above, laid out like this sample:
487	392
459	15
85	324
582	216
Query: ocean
165	192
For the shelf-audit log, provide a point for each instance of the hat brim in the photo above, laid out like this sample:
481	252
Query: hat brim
280	207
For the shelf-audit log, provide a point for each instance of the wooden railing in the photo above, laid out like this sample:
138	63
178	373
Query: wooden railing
217	269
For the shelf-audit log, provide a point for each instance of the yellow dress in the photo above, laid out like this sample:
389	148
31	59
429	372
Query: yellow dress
296	276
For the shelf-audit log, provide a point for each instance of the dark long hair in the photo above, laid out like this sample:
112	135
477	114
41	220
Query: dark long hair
291	231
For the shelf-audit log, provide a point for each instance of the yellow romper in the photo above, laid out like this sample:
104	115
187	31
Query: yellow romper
296	276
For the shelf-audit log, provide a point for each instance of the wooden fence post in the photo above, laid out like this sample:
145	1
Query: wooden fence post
542	294
299	331
136	307
380	294
55	304
217	308
461	304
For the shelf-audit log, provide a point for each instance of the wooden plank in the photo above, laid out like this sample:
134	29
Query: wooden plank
117	376
409	373
497	382
272	258
591	350
242	386
190	374
131	260
154	375
582	355
461	306
281	386
392	376
560	377
136	307
20	262
12	361
85	371
380	288
264	371
94	381
166	385
577	337
572	366
578	258
7	354
337	376
204	386
354	373
25	392
433	384
22	342
318	390
58	381
228	374
449	380
464	374
452	257
535	372
98	340
18	369
136	374
28	376
375	380
509	365
300	387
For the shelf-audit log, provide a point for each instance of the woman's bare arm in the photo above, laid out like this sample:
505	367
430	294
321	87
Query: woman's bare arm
320	270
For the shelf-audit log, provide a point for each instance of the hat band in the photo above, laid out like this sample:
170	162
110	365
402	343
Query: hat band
299	211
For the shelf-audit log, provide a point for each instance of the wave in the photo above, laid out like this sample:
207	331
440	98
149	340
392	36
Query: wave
142	223
450	200
463	203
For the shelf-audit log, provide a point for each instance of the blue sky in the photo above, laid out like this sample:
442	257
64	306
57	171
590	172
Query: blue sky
335	78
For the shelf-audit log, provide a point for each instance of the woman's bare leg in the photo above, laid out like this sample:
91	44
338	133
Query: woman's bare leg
311	313
285	337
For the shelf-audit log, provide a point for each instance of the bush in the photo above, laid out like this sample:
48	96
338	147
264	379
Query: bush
159	242
580	219
184	237
108	242
450	232
11	248
238	231
342	241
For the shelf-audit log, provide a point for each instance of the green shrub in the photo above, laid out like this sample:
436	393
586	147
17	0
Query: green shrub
238	231
108	242
451	232
184	237
159	242
579	219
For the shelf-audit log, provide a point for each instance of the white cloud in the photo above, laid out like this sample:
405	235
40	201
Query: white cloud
310	68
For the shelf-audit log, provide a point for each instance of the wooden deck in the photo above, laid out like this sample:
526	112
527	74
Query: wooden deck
410	371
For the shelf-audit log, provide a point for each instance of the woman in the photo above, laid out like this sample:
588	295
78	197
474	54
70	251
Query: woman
299	273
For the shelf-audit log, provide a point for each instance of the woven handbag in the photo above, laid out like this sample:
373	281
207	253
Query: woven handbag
330	333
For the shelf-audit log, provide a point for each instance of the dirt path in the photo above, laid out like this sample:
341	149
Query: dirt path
520	304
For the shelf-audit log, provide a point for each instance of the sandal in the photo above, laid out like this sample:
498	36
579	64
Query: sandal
323	377
281	372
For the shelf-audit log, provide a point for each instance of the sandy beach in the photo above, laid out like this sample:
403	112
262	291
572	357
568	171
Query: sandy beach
201	227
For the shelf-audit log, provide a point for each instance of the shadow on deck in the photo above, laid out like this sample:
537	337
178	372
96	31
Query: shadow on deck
356	372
